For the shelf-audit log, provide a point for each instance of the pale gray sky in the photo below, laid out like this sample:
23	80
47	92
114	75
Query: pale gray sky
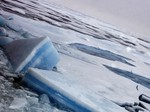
130	15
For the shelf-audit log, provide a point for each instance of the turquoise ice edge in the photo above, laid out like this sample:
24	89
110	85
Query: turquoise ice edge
45	58
55	96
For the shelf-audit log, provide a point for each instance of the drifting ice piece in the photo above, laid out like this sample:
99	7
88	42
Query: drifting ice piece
67	92
35	52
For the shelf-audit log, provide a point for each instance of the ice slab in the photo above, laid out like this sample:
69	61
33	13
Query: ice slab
35	52
67	92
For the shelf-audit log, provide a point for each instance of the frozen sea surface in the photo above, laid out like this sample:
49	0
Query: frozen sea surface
108	62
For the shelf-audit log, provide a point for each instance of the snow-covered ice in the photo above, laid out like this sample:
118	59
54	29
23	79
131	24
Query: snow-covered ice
68	29
18	103
67	91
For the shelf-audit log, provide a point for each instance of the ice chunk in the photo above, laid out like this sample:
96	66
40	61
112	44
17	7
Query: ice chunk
3	32
18	103
35	52
67	93
26	35
1	107
2	21
5	40
33	100
44	99
36	109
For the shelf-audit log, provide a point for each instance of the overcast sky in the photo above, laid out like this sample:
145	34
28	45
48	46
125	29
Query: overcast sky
130	15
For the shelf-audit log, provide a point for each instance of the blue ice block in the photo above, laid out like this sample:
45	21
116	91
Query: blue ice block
35	52
67	92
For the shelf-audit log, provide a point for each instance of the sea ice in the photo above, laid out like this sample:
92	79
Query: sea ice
5	41
67	92
18	103
2	21
35	52
44	99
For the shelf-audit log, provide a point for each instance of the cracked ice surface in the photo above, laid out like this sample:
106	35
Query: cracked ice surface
66	27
